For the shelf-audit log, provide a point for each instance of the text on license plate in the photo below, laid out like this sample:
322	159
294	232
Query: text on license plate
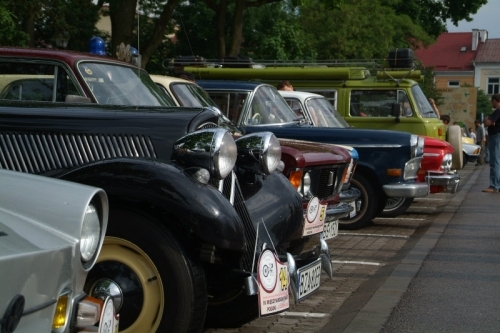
309	278
331	230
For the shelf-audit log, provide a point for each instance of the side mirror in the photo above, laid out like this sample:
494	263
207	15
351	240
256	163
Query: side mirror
396	111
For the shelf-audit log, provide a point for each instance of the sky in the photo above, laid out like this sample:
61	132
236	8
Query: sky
486	18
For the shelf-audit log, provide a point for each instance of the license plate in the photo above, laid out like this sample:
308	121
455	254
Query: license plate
353	213
309	278
331	230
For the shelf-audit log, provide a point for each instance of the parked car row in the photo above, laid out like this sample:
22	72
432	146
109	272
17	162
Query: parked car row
214	199
204	221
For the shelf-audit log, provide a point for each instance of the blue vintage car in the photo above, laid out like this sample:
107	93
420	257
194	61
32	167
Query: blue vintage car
388	160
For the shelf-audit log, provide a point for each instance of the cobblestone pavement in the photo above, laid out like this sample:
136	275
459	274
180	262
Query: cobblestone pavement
362	260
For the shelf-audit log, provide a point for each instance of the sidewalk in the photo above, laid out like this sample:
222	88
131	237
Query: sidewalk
378	309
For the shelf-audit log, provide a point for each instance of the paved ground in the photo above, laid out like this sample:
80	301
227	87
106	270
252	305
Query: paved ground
372	269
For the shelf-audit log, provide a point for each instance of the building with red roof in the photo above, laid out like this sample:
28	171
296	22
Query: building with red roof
452	57
487	67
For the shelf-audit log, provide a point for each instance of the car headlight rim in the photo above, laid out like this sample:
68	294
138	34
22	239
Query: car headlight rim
224	154
90	234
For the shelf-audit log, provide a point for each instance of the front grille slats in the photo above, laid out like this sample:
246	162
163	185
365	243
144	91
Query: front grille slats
43	152
320	182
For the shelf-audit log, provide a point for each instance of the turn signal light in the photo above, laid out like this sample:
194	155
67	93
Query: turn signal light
61	310
296	177
394	172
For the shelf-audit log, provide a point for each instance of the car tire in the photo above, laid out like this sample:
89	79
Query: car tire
454	137
162	289
368	202
396	206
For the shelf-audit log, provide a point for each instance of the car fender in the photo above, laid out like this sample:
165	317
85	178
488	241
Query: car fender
182	204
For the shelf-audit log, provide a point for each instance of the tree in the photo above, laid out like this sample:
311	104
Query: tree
483	107
9	32
432	15
42	21
429	87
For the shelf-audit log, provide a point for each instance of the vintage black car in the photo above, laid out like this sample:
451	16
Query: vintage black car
191	208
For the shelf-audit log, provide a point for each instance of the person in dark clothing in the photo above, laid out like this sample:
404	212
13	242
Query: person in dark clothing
493	123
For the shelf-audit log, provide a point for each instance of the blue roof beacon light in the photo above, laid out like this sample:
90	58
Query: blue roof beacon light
97	46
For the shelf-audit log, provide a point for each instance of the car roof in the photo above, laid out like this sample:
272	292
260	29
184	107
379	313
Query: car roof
229	84
299	94
70	57
164	79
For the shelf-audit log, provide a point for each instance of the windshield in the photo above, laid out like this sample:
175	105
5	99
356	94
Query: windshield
268	107
121	85
423	105
322	114
191	95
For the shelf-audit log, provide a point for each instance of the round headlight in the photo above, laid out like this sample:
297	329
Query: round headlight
225	154
271	154
306	185
90	233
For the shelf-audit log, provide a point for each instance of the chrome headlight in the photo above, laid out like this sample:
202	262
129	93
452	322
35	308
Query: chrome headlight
305	186
260	152
446	162
213	149
417	145
90	234
411	168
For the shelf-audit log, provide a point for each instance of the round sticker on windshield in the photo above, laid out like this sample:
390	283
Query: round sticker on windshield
312	209
267	270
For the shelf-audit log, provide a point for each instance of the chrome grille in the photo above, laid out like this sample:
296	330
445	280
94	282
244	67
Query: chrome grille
230	188
321	182
39	153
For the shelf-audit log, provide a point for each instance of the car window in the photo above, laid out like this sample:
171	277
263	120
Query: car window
191	95
37	82
114	84
372	103
230	103
268	107
322	114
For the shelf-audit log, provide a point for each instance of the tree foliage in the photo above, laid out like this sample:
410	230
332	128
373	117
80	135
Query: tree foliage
9	31
279	29
39	22
483	106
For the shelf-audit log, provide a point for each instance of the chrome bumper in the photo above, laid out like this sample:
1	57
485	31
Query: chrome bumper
451	181
349	195
410	190
339	210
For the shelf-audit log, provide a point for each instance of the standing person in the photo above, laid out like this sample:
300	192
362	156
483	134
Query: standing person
285	85
480	140
493	123
472	134
434	107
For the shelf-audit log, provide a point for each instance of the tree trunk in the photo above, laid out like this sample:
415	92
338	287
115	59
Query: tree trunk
159	30
237	36
122	14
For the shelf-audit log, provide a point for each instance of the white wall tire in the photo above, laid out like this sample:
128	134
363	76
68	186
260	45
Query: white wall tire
454	137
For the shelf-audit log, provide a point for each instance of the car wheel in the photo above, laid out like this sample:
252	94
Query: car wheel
454	137
155	285
368	202
396	206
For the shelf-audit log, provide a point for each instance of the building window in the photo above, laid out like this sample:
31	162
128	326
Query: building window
454	84
493	85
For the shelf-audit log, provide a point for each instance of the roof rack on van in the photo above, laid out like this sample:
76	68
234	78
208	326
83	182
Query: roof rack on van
399	65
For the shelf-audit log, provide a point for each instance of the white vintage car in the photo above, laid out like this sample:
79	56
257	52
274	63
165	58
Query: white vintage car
51	232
